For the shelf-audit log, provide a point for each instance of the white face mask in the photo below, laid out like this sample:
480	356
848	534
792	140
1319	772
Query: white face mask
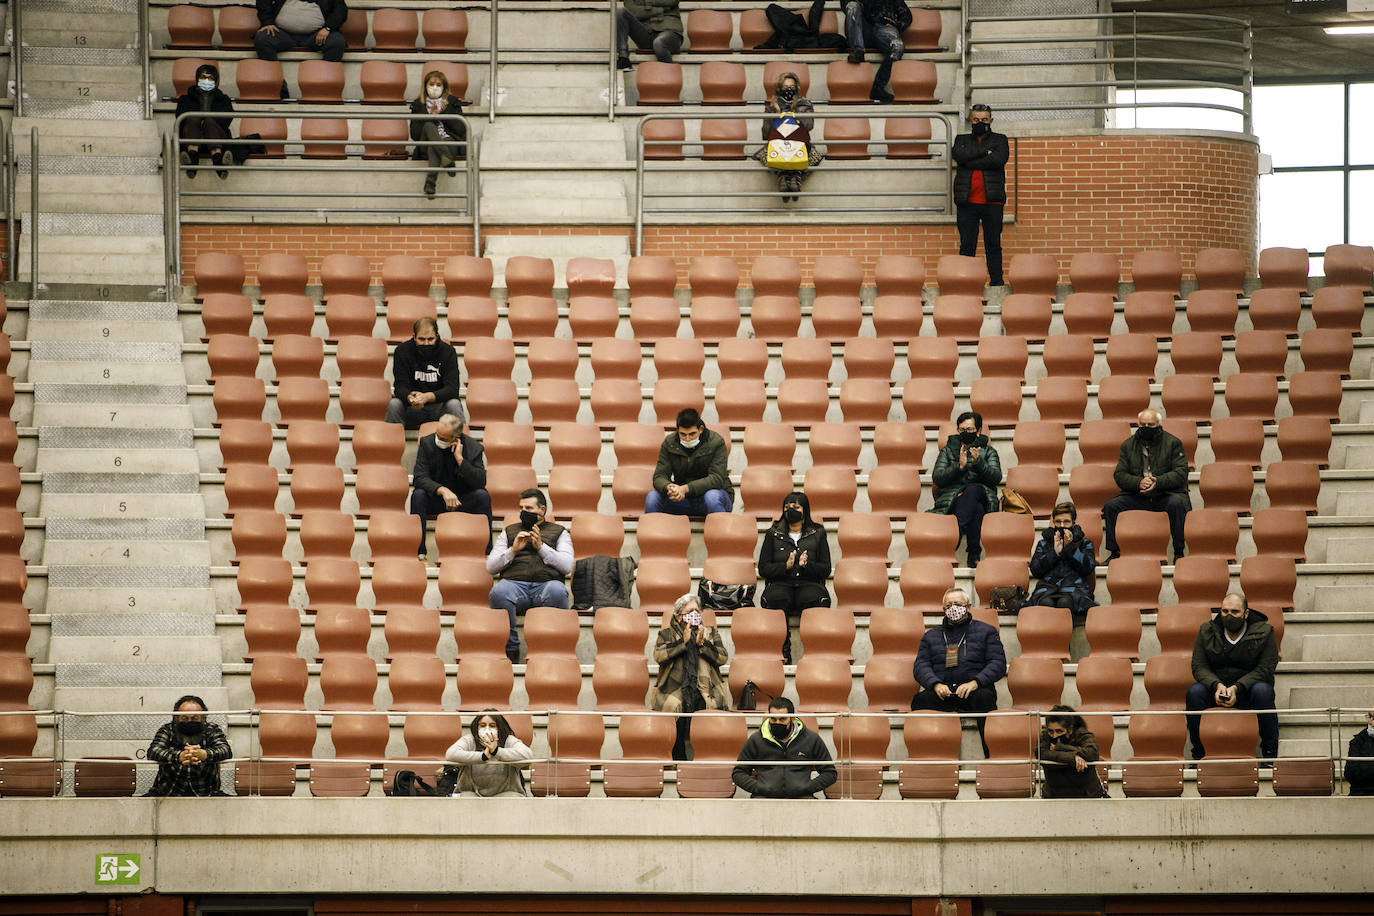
486	733
205	85
689	444
434	92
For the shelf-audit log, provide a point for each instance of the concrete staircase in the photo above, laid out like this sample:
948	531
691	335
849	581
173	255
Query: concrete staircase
128	580
100	199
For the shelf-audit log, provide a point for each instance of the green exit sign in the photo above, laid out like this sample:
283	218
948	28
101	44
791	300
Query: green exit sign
116	869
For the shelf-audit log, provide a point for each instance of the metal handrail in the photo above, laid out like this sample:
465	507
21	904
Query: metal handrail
492	64
1143	27
470	165
33	213
18	55
611	47
7	168
171	222
144	43
944	118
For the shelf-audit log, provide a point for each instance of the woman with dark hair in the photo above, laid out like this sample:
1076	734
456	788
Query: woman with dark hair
435	99
794	562
785	111
966	475
488	758
189	750
205	98
1067	753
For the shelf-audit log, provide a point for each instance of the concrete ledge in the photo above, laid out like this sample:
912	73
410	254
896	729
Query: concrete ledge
634	846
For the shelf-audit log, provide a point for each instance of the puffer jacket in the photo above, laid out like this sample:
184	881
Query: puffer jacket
656	15
1062	780
1250	661
701	468
950	479
777	546
785	781
981	657
989	157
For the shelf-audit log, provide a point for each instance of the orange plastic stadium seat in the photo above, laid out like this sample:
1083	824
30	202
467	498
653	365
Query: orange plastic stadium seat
932	745
762	488
776	310
1349	265
641	737
1045	631
226	314
1132	354
1316	394
1201	580
1167	679
1305	439
1089	313
1177	625
1034	273
658	83
1228	736
330	533
714	311
709	32
846	138
1327	350
1069	355
1213	310
959	316
1281	532
232	355
1188	398
1262	352
1155	769
1196	353
1212	533
1041	442
1134	581
592	310
924	32
1339	307
897	308
848	84
1157	270
907	138
1293	485
1062	399
1028	315
530	308
1112	631
1220	268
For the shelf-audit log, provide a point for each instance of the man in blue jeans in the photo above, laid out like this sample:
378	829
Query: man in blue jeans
690	476
878	24
1234	659
532	556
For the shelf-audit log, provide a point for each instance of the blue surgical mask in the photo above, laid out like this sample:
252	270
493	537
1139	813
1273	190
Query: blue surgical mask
205	85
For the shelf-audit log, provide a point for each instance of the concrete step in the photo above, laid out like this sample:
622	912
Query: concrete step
93	194
117	600
131	553
120	505
131	331
128	460
1345	647
125	416
1349	549
577	88
106	138
97	268
55	90
510	142
125	699
112	374
134	650
84	109
131	246
552	199
1354	502
84	675
50	34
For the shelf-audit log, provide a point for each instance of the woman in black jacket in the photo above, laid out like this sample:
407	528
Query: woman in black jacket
206	99
1067	754
794	562
447	134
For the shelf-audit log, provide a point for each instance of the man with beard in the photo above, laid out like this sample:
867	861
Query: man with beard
425	370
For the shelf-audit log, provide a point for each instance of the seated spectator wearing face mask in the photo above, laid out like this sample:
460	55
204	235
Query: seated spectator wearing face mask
425	369
1359	767
966	475
450	476
1067	753
532	556
207	103
189	750
489	758
783	737
959	663
445	131
690	476
1152	472
1234	658
794	562
1064	562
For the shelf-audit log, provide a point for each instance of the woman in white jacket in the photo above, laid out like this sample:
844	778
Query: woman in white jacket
489	758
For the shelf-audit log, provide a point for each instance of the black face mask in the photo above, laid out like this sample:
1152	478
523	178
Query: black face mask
528	519
787	94
426	351
1233	625
191	729
966	437
1147	433
980	129
792	514
780	732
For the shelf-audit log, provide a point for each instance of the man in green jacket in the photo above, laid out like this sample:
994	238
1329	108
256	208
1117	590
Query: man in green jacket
966	474
1152	472
653	24
690	476
1234	659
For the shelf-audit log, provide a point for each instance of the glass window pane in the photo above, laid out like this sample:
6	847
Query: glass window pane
1302	210
1361	127
1180	118
1301	125
1362	208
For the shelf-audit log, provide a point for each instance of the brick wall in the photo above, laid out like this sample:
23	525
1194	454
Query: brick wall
1118	194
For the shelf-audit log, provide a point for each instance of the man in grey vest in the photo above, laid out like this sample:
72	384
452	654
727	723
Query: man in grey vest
532	557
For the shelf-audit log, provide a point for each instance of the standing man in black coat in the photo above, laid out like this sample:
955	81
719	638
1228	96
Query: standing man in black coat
980	188
450	476
425	377
290	24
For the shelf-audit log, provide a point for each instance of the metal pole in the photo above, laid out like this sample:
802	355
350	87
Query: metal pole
964	55
33	213
7	166
491	66
18	54
1248	81
172	237
143	44
639	187
474	194
611	46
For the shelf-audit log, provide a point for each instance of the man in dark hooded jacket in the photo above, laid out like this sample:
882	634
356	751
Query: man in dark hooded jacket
209	103
1152	472
783	737
1234	659
690	476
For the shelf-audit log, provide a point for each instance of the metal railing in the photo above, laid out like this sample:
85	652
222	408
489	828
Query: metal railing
851	196
18	54
492	63
144	59
31	225
220	201
1218	44
852	754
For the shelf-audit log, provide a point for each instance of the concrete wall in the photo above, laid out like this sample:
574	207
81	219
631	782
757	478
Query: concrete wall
1108	191
637	846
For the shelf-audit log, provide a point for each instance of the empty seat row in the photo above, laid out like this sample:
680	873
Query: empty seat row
712	31
383	82
724	82
191	26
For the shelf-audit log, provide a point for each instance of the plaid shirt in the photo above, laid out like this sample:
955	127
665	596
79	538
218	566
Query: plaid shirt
198	779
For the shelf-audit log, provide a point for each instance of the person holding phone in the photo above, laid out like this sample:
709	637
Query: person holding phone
794	562
689	654
532	557
489	758
1064	562
450	476
966	475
